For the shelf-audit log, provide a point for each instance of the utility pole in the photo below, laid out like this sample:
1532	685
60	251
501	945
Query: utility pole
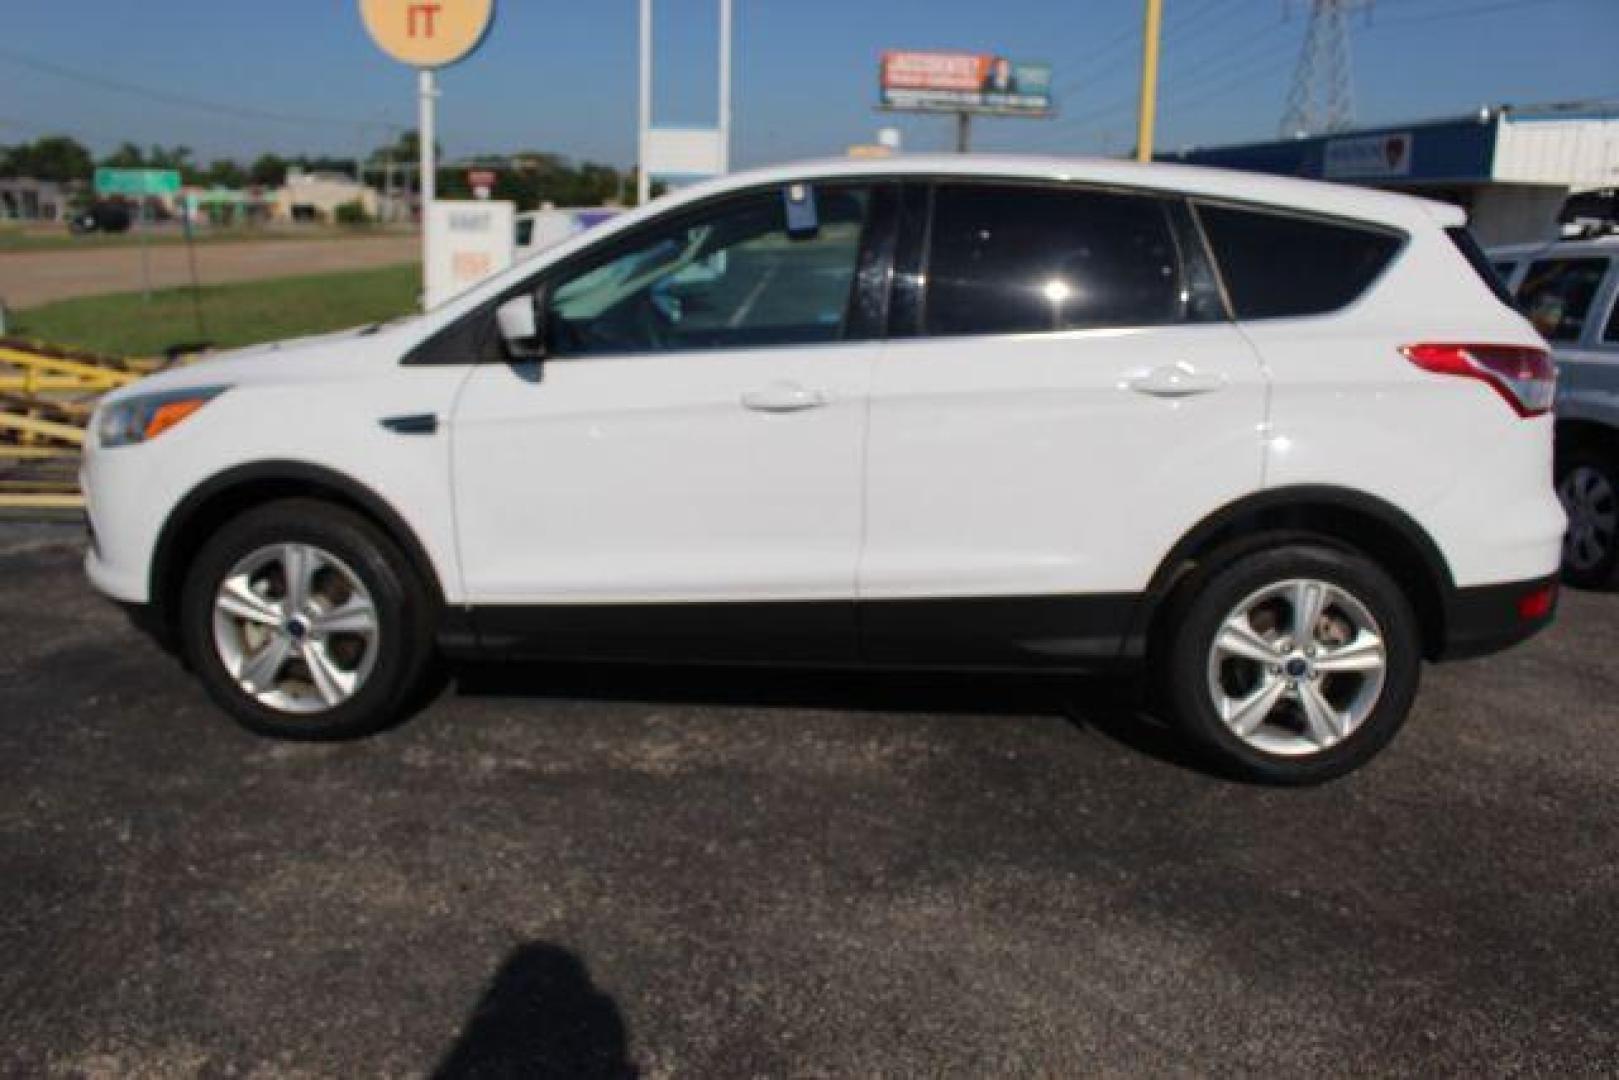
1322	98
1149	79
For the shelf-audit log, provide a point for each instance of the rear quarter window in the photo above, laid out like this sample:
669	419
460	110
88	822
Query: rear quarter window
1279	265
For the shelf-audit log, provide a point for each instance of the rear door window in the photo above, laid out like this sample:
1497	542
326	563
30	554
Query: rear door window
1007	259
1277	265
1556	294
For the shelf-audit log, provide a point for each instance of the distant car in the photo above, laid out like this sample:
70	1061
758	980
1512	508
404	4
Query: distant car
1570	292
102	217
1274	441
541	229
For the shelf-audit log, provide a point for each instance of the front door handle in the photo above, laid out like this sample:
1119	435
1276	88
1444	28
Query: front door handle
784	397
1179	379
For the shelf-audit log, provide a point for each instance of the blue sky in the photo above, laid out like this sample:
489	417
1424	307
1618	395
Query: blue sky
560	76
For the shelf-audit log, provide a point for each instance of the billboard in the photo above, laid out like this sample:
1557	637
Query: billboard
961	82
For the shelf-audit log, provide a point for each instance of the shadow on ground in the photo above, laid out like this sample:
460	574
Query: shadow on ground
541	1016
1113	708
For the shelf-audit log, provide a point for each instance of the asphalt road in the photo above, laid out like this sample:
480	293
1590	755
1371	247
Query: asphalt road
717	874
30	278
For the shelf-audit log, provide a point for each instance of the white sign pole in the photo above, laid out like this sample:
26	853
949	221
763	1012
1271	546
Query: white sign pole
427	137
643	177
725	86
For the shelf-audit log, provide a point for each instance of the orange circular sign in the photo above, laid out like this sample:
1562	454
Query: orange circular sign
427	33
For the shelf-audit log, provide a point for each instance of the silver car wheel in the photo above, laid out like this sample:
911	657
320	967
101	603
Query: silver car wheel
1593	517
296	628
1297	667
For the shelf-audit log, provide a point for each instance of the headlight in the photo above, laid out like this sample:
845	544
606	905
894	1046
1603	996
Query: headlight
146	416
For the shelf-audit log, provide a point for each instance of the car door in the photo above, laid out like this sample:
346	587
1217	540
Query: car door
681	476
1069	401
1563	297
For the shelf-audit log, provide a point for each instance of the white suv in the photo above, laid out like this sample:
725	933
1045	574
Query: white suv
1276	440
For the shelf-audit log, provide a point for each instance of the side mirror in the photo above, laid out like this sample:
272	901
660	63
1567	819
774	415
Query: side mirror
522	328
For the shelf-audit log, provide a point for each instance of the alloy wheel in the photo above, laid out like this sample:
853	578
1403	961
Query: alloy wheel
1296	667
1593	517
296	628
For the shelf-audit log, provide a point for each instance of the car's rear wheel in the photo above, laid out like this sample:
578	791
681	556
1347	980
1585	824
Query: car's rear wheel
1294	665
1588	485
304	621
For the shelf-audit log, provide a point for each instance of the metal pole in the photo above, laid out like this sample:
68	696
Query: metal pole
643	181
187	209
427	136
725	86
143	218
964	132
1149	79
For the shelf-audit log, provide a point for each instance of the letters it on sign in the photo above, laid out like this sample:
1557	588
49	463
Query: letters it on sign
422	19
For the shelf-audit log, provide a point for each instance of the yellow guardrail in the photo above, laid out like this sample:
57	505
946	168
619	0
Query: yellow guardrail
46	398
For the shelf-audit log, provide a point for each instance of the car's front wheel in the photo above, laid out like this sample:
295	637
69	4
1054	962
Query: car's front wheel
304	621
1294	665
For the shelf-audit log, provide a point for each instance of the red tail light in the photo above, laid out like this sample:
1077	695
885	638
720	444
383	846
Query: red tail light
1524	376
1537	604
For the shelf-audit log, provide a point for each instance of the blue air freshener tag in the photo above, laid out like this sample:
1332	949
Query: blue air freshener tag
802	219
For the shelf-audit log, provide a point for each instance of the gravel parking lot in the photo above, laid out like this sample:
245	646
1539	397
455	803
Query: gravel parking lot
720	873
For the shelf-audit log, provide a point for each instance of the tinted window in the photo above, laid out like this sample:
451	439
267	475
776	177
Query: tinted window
1610	333
1006	259
728	278
1556	294
1277	265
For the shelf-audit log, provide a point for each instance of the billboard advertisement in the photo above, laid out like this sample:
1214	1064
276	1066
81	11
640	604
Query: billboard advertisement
964	82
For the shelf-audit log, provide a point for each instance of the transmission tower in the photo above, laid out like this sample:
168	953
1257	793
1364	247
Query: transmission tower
1322	97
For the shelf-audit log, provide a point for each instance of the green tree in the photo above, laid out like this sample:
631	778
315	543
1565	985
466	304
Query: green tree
270	170
226	173
407	147
127	156
54	157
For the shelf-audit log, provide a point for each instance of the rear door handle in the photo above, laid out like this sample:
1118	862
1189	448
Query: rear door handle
784	397
1179	379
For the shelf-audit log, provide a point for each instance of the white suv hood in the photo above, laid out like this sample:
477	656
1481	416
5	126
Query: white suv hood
316	358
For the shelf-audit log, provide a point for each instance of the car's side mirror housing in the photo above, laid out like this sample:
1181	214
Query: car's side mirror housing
522	327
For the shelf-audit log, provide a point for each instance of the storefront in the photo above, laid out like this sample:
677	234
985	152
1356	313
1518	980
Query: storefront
1514	169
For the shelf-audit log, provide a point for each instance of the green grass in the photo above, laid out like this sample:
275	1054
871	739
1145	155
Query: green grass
125	324
34	239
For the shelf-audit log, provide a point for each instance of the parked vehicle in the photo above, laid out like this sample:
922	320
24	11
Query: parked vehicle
102	217
1570	292
1276	441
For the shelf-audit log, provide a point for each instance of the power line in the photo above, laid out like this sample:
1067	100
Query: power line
1462	13
1217	63
237	112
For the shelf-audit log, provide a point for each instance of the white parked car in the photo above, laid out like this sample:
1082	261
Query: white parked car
1276	440
1570	292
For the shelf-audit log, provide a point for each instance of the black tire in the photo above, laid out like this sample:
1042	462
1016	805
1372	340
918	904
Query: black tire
1575	469
404	614
1182	664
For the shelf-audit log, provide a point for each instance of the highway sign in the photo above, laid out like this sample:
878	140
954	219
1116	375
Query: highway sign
137	183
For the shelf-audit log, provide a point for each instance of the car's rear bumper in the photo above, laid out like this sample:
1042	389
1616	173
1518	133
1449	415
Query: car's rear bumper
1483	619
